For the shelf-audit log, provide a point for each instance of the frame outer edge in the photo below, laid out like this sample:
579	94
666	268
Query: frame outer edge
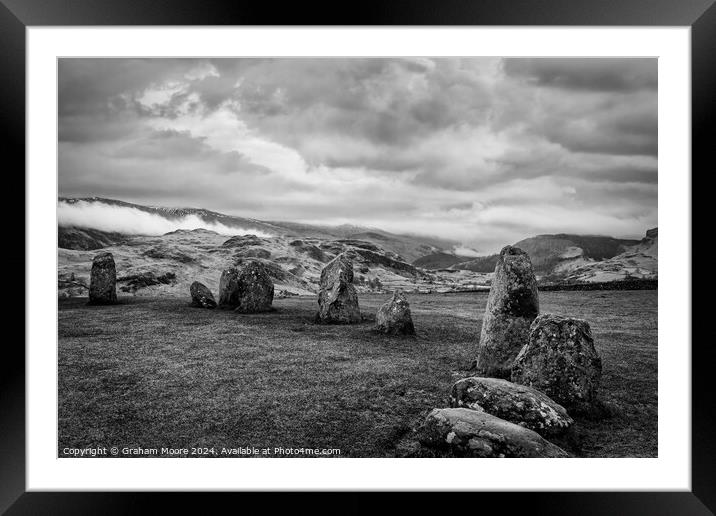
12	127
12	364
703	123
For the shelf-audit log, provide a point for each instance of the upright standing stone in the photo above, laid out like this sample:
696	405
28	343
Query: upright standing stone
103	280
254	291
201	296
512	305
393	318
228	288
561	361
337	298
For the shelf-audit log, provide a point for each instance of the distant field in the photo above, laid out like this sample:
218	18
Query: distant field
155	373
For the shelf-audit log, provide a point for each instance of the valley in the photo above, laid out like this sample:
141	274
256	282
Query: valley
294	255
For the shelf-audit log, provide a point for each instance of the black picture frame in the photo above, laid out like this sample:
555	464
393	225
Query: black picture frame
700	15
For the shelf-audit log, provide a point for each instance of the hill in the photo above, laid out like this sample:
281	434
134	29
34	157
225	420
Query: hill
636	261
167	264
566	258
547	251
439	260
86	238
407	247
294	253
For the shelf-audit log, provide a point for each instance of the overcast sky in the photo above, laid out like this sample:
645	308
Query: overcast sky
484	151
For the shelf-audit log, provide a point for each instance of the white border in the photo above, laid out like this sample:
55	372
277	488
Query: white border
671	470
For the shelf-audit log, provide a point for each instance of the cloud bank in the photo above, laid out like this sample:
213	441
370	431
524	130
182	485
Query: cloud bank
132	221
465	251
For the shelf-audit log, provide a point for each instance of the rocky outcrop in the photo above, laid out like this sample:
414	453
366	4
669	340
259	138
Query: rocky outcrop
254	252
254	292
166	253
463	432
310	250
201	296
337	298
393	318
134	282
512	305
275	271
103	280
242	241
86	239
512	402
369	257
560	360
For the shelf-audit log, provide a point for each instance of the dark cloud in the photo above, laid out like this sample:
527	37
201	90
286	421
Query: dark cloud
166	144
99	127
380	101
181	145
593	74
645	175
456	206
90	85
628	128
604	141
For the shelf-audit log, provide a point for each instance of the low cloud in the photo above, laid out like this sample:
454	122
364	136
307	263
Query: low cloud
132	221
461	250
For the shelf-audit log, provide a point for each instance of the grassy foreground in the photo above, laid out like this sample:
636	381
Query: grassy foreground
156	373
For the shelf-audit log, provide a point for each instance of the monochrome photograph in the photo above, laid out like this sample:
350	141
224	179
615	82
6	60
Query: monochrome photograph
394	257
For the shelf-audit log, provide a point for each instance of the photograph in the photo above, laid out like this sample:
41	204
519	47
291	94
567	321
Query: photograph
357	257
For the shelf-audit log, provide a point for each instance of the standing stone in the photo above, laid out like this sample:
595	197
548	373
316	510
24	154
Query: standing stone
512	305
463	432
393	318
229	288
337	298
560	360
103	280
515	403
201	296
254	291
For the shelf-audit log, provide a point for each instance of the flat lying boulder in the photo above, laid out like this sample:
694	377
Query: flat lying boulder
254	291
512	305
515	403
229	288
337	297
103	280
560	360
393	318
201	296
468	433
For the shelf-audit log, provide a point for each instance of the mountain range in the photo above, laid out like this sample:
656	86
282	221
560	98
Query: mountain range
151	261
410	247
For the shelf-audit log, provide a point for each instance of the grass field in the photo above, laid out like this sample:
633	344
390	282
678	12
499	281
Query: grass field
154	373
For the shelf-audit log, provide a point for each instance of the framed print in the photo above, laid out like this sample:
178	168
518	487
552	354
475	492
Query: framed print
372	254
